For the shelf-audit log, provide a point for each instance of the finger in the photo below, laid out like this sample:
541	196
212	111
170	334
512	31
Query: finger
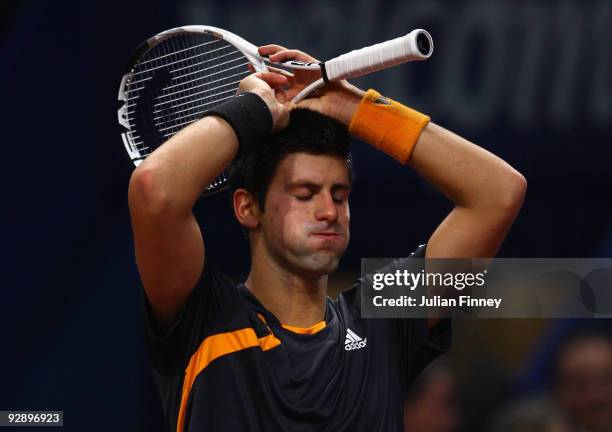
289	105
280	95
312	104
281	71
287	55
272	69
267	50
272	78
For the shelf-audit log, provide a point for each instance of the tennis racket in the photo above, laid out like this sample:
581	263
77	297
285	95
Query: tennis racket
175	76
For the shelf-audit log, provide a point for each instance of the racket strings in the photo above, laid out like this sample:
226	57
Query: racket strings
191	107
189	115
174	84
135	89
207	87
132	100
192	95
188	66
176	57
179	51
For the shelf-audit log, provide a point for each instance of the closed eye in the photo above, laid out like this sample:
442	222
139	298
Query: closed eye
340	197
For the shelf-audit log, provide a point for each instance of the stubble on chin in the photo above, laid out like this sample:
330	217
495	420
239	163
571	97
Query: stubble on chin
310	257
320	262
323	263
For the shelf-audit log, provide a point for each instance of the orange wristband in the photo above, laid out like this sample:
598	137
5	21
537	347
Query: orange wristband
387	125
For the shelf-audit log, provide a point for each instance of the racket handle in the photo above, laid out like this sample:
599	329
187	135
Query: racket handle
416	45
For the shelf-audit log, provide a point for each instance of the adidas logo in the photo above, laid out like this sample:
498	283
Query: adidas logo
353	342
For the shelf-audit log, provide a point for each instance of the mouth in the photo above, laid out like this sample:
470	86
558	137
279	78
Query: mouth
329	235
328	240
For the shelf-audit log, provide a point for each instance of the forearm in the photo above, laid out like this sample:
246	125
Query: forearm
175	174
487	192
468	175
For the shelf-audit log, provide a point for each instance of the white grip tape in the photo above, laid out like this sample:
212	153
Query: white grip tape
377	57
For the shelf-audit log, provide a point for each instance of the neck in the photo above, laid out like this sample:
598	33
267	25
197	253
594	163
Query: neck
294	299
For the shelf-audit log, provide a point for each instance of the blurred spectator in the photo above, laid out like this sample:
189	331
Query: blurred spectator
535	414
583	380
432	405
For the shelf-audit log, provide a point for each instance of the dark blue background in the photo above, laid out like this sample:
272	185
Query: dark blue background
529	81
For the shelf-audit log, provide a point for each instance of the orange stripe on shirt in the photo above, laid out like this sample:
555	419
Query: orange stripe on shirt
315	328
306	330
214	347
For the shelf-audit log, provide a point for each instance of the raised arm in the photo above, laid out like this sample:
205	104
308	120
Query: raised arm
163	189
487	193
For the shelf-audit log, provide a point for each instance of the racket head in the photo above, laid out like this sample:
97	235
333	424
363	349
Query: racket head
173	78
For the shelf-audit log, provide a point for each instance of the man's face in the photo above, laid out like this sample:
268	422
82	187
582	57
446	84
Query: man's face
306	223
585	384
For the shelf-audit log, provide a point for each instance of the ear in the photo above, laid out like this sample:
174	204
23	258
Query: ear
246	209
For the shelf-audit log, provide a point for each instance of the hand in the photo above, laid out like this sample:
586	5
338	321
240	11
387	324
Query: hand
263	85
338	99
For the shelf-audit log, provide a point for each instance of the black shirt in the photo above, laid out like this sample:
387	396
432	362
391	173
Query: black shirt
227	363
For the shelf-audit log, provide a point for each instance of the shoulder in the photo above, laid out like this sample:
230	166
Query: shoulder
351	298
213	306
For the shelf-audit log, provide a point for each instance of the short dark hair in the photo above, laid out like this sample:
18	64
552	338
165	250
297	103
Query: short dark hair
308	132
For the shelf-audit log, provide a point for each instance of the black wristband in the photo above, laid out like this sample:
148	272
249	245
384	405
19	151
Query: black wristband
249	116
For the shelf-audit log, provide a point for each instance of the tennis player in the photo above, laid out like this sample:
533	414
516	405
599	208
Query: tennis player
275	353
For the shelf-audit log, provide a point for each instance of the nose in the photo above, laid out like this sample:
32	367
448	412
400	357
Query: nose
326	208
